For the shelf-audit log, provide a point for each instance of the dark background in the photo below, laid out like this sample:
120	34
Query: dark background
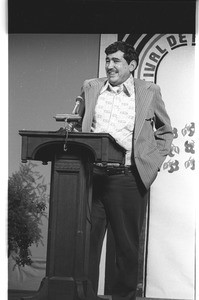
101	16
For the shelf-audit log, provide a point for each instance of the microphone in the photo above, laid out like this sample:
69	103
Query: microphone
76	109
73	117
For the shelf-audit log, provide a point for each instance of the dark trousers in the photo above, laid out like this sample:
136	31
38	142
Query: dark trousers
121	200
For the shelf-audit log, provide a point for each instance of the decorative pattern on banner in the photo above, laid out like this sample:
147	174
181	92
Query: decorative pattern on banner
172	165
153	48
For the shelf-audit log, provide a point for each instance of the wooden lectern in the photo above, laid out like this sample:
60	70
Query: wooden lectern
72	155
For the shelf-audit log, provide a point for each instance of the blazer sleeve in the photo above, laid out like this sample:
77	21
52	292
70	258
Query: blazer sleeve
163	130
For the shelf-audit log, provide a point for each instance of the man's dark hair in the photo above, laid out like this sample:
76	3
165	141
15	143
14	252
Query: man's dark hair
129	51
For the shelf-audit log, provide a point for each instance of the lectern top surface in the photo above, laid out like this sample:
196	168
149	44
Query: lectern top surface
42	145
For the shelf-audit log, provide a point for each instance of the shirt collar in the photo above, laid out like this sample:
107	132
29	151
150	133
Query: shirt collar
128	86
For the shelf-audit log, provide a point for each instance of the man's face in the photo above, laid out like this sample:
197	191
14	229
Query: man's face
117	68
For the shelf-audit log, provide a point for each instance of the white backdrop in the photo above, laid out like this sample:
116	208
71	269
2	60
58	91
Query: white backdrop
171	243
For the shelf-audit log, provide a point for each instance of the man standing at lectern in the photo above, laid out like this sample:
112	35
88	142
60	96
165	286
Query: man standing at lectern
133	112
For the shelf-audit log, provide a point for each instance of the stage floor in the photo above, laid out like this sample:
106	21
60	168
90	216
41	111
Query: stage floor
16	295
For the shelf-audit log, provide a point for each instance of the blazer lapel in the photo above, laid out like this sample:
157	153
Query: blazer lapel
97	86
91	95
94	89
143	98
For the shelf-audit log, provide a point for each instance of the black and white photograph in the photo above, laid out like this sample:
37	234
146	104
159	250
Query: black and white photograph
102	150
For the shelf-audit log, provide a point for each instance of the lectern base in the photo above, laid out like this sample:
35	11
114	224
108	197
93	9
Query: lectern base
64	289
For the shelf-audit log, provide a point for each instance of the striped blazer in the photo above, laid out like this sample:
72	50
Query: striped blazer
152	132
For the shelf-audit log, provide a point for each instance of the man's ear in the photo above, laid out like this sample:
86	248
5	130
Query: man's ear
132	65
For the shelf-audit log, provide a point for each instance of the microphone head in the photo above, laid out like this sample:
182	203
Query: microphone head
79	99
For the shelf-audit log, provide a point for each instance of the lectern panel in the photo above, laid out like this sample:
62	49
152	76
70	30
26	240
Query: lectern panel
68	218
66	224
